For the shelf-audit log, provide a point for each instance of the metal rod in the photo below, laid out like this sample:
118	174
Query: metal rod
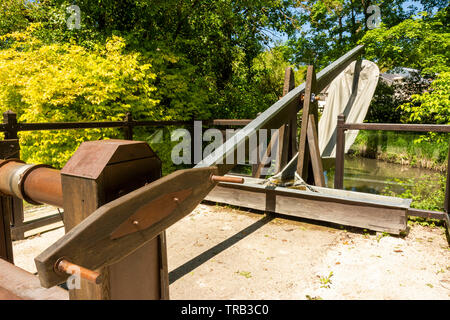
71	268
227	179
340	149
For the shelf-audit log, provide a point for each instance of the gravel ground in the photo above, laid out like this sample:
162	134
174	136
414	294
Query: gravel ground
225	253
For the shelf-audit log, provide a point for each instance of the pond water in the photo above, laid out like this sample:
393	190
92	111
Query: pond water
374	176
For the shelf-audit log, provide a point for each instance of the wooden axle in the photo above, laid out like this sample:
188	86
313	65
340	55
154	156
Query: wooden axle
65	266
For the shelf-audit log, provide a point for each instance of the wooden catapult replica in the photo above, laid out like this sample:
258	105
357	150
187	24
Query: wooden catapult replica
117	205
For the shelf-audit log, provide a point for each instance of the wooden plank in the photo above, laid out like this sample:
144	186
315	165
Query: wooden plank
316	160
26	285
277	112
363	214
89	244
122	167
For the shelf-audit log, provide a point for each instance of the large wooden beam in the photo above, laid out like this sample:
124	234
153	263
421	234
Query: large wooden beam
99	172
378	213
310	107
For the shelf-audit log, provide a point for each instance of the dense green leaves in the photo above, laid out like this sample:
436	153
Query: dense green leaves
66	82
203	59
422	43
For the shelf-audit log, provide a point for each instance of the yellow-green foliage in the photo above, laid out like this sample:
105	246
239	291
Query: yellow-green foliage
67	82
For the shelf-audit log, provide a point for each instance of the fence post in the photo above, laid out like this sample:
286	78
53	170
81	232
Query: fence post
340	150
17	217
5	228
10	121
128	130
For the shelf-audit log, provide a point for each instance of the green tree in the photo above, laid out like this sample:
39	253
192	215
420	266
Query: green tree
422	43
66	82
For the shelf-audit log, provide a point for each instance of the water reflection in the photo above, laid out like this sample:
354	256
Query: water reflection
374	176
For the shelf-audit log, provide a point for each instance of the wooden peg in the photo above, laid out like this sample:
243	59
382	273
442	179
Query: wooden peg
227	179
69	268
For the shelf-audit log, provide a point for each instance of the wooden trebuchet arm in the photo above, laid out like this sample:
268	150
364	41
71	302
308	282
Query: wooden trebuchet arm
119	227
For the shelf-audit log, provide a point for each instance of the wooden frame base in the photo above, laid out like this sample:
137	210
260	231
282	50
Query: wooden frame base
377	213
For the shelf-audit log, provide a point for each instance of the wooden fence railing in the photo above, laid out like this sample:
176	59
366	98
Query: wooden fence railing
340	150
9	149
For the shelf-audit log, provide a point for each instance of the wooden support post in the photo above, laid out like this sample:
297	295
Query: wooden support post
17	218
316	160
285	136
128	130
99	172
310	106
340	150
6	252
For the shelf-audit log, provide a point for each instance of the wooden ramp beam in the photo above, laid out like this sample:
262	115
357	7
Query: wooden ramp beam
373	212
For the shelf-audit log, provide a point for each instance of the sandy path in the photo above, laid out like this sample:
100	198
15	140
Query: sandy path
224	253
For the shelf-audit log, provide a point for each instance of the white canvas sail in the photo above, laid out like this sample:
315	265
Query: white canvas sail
351	96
